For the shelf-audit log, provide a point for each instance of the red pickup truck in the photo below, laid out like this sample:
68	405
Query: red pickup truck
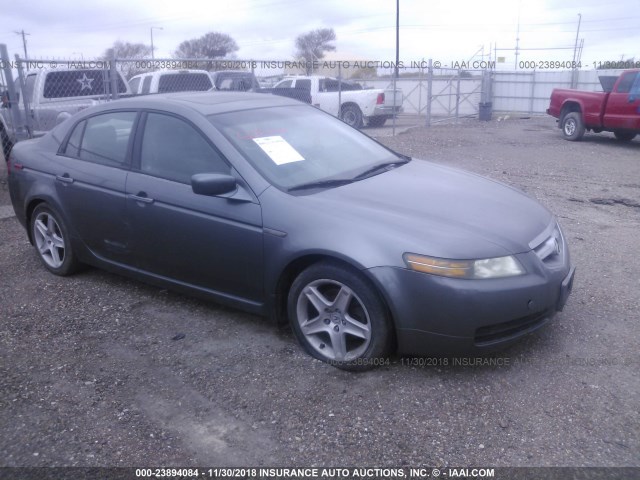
616	109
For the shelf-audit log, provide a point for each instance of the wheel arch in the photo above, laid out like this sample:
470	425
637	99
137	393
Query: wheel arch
299	264
349	104
31	206
569	106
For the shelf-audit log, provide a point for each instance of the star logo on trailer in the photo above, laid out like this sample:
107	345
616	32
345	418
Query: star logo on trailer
85	82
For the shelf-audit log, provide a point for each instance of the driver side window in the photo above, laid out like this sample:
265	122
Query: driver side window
175	150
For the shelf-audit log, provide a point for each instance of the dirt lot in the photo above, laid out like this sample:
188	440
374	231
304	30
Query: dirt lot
94	372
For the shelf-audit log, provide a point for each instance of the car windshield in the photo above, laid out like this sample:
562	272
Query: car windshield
292	146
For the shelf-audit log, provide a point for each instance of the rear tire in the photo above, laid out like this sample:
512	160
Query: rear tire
376	121
573	126
624	135
352	116
339	318
52	242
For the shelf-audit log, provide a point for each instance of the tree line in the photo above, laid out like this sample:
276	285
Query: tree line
309	47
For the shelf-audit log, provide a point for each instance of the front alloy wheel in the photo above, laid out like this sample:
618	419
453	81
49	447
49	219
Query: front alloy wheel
339	318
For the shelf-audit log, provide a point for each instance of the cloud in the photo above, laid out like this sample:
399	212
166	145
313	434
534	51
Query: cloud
266	29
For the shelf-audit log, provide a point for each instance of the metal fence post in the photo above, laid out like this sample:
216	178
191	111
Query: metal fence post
393	110
14	113
113	75
339	90
25	100
429	92
420	90
533	91
458	95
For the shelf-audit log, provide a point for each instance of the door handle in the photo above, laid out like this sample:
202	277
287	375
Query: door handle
64	178
141	197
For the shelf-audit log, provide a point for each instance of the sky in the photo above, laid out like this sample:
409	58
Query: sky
447	31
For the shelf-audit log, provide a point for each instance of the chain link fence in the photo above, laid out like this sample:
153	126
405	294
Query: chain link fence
38	94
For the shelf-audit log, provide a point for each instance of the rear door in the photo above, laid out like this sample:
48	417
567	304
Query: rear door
327	97
91	171
211	243
623	105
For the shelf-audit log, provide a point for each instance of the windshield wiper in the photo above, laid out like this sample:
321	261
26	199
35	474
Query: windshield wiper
336	182
322	184
380	168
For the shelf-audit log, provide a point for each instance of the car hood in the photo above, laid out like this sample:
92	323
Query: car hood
428	209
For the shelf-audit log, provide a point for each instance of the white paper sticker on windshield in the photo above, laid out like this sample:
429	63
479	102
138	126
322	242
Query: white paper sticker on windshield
278	149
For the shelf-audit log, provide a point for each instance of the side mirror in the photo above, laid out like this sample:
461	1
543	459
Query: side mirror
212	184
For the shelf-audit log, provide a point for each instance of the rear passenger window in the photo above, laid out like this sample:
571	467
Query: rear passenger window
173	149
304	84
184	82
625	83
106	138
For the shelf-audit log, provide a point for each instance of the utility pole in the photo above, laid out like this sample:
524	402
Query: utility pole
575	48
152	54
574	69
395	76
518	36
24	43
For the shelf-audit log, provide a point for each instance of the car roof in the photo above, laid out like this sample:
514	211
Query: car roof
205	103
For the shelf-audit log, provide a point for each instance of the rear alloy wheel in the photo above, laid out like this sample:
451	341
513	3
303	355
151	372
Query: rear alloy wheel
52	242
572	126
339	318
624	135
352	116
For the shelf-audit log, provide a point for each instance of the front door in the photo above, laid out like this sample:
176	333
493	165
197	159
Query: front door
623	105
212	243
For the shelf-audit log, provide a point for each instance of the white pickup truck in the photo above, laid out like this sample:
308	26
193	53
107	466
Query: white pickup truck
347	101
52	96
167	81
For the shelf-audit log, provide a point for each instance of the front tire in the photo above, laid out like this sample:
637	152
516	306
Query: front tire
339	318
352	116
624	135
573	126
52	242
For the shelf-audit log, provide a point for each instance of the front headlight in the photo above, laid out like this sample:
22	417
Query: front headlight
499	267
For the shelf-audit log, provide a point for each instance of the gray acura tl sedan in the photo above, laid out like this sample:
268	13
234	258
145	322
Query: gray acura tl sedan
265	204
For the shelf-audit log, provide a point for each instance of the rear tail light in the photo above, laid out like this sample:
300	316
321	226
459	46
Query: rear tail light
12	165
380	99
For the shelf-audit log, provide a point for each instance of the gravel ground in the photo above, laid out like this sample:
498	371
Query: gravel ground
98	370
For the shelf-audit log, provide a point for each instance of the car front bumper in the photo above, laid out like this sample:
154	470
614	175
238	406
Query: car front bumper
445	316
